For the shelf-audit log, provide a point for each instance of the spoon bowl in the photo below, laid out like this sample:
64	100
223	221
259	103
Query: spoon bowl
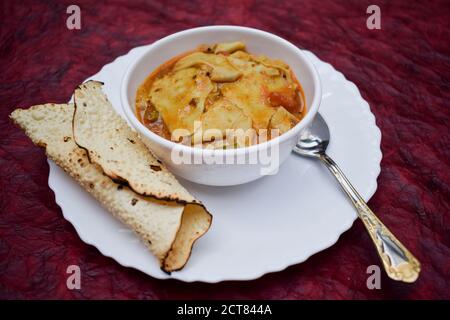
314	140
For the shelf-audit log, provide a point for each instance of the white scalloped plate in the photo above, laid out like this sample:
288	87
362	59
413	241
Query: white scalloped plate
260	227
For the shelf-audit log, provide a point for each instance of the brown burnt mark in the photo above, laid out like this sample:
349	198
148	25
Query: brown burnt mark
165	271
118	180
131	140
193	102
155	168
67	139
119	187
75	108
42	145
134	201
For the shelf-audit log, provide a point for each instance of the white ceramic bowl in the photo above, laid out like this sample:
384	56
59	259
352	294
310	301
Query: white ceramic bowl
230	166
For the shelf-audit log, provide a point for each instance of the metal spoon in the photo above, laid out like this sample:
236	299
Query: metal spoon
398	262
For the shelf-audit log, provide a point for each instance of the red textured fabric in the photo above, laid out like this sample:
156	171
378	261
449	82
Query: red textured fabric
402	70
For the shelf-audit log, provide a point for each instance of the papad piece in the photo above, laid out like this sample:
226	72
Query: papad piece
113	145
168	229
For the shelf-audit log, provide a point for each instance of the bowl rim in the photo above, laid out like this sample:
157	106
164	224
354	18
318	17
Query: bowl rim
142	129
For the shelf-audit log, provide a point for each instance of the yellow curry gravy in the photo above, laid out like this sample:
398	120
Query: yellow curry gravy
227	87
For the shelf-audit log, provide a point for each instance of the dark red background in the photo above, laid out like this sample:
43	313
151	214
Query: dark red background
402	70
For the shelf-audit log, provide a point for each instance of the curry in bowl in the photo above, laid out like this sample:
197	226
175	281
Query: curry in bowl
220	96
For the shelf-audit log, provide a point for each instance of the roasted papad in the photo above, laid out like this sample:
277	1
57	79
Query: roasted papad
168	228
114	146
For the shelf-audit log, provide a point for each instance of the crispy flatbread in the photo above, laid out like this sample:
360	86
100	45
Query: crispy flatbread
113	145
168	229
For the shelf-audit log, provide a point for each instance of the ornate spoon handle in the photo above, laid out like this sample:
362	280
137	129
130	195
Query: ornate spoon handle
398	262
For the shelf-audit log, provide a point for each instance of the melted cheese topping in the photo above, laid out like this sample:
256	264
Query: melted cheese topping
224	87
282	120
223	115
249	93
180	97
